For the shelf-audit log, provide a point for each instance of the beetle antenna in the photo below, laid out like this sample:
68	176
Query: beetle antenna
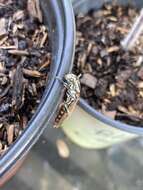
79	76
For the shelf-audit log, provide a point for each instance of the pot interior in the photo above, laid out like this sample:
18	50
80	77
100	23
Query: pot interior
84	6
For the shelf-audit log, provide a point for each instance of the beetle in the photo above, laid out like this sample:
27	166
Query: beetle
72	94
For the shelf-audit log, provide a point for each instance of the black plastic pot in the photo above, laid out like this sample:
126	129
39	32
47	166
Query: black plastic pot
95	130
58	16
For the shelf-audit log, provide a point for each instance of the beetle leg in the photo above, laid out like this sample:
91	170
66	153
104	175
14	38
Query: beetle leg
66	109
64	83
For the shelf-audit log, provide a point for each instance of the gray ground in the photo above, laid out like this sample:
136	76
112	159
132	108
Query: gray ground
118	168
